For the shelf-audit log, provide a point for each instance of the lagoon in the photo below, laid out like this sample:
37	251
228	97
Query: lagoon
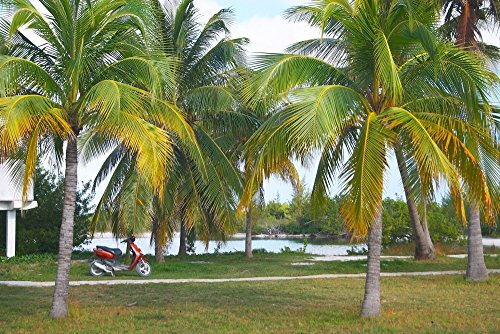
317	246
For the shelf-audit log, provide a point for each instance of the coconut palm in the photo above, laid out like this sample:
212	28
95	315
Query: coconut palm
463	21
285	170
208	58
234	139
85	69
204	185
377	80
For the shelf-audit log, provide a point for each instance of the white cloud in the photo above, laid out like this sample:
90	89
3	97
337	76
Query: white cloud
272	34
207	8
266	33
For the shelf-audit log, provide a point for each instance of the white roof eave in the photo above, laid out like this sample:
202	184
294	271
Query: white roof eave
17	205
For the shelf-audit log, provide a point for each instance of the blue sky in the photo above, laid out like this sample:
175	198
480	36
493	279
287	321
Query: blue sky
247	9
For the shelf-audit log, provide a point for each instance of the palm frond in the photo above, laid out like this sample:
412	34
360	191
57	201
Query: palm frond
363	177
279	74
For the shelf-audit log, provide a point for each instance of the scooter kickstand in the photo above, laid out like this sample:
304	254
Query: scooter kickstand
112	273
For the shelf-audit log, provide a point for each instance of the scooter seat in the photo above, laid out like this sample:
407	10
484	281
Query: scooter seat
116	251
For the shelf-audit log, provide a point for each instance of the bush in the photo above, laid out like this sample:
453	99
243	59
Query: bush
357	250
396	226
444	225
31	258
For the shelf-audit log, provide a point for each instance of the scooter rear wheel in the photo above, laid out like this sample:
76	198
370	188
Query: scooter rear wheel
94	270
143	268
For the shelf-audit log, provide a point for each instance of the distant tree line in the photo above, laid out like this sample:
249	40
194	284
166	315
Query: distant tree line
295	217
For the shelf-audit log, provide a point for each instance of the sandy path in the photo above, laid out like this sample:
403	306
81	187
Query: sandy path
225	280
346	258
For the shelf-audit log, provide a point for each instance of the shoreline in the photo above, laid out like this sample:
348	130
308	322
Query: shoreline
238	236
489	242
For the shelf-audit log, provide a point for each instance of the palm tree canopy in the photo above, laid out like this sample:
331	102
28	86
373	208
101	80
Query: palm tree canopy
89	69
203	185
378	76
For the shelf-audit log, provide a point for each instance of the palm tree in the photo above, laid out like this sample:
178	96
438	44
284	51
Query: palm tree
253	178
463	20
204	185
208	57
94	72
233	137
285	170
378	79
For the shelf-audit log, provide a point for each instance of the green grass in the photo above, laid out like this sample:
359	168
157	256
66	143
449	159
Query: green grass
230	265
445	304
441	249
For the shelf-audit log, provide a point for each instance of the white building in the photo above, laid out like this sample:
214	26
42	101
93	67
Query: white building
11	201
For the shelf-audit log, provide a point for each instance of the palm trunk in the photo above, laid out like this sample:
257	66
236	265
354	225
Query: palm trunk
476	268
424	249
159	257
60	300
467	24
159	246
182	241
371	302
248	235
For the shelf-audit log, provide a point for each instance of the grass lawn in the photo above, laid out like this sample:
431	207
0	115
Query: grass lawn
231	266
444	304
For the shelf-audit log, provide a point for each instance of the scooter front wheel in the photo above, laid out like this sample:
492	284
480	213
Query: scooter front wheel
143	268
94	270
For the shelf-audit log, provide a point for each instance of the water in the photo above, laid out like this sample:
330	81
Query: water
237	244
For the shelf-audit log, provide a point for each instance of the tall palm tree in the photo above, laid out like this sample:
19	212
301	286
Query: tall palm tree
92	70
204	185
323	49
233	137
463	20
379	78
237	139
208	57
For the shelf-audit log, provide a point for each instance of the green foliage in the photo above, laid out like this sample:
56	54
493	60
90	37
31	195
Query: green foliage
295	218
276	209
31	258
357	250
444	226
38	229
395	222
301	250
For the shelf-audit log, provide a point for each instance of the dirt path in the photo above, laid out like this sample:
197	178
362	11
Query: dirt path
346	258
224	280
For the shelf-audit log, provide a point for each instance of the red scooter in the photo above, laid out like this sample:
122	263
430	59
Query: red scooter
109	260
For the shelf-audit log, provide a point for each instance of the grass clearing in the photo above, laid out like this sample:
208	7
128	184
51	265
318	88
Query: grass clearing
445	304
233	266
441	249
